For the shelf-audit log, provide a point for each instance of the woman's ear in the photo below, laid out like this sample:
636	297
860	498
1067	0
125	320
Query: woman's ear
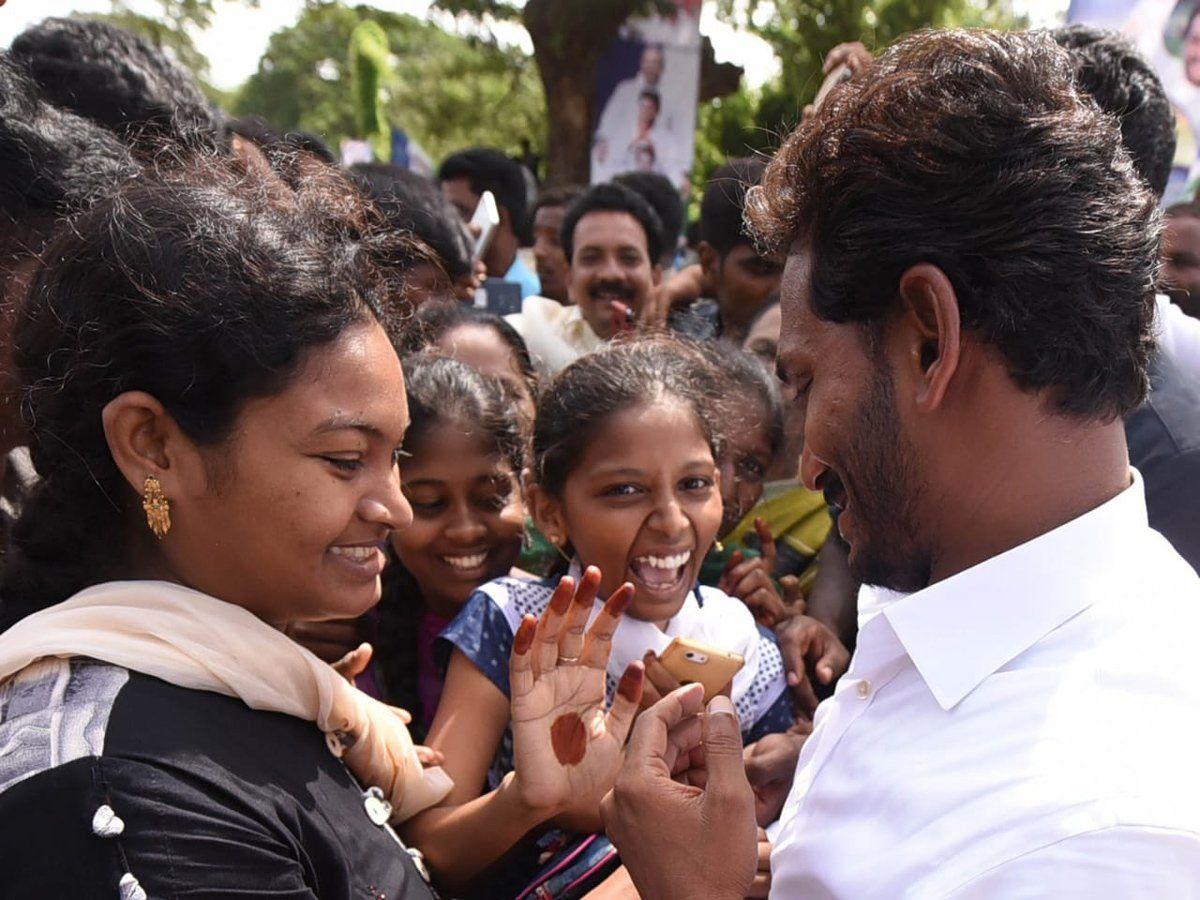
144	440
545	510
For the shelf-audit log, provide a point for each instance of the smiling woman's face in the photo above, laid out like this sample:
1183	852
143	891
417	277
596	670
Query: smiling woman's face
305	493
468	517
643	505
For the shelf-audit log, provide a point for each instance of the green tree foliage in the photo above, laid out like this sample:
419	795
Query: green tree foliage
370	63
444	90
802	32
170	30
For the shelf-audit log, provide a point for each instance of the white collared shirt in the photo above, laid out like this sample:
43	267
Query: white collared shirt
556	334
1027	728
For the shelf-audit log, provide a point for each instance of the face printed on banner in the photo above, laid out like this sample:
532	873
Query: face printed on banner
652	65
1191	51
856	449
611	265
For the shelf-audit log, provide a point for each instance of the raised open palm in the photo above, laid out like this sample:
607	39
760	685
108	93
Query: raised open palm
567	747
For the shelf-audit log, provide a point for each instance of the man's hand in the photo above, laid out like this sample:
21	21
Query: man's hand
682	813
810	650
761	886
770	769
853	55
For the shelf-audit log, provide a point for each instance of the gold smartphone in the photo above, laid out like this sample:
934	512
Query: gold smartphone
694	663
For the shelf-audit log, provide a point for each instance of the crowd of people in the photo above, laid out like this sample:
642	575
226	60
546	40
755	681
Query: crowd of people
325	574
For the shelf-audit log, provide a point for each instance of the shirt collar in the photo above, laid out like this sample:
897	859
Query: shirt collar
961	630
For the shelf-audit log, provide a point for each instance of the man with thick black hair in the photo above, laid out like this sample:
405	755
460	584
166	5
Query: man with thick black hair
412	203
464	177
657	190
612	241
968	309
1164	431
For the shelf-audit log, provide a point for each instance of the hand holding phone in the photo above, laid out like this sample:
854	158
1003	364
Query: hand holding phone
483	225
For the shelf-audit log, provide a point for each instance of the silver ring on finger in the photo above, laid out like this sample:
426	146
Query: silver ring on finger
568	660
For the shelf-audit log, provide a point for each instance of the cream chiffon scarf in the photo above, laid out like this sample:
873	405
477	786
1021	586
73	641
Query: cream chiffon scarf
196	641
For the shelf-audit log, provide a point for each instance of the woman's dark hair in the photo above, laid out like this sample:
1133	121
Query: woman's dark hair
612	197
979	153
621	375
51	162
203	288
118	80
440	390
413	203
434	320
744	376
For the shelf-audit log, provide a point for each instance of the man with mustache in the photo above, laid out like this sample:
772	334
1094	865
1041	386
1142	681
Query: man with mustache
612	241
968	310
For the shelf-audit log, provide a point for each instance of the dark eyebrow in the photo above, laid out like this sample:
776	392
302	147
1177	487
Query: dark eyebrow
339	422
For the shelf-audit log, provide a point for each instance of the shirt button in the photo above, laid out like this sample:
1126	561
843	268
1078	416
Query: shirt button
378	809
864	689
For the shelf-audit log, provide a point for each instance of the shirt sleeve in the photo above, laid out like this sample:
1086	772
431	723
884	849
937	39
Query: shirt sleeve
482	633
1114	863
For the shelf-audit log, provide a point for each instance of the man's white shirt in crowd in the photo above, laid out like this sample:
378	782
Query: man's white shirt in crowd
1026	728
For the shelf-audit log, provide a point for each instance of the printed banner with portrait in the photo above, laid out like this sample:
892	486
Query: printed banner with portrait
647	89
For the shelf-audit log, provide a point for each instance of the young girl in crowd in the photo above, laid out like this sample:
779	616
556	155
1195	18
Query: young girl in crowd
623	478
762	537
465	445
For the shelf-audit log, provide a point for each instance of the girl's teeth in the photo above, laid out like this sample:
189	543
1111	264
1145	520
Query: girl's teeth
667	562
466	562
360	554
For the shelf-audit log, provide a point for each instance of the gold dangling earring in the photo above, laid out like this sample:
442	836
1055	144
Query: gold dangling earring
157	507
720	548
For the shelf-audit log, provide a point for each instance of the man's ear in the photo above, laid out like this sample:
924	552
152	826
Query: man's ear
144	440
932	332
544	509
710	262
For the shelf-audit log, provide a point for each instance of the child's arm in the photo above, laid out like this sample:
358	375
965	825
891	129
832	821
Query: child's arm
468	832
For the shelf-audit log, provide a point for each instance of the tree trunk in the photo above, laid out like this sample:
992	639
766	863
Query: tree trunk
569	37
570	104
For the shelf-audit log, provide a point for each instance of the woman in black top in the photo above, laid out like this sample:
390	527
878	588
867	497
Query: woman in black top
216	413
